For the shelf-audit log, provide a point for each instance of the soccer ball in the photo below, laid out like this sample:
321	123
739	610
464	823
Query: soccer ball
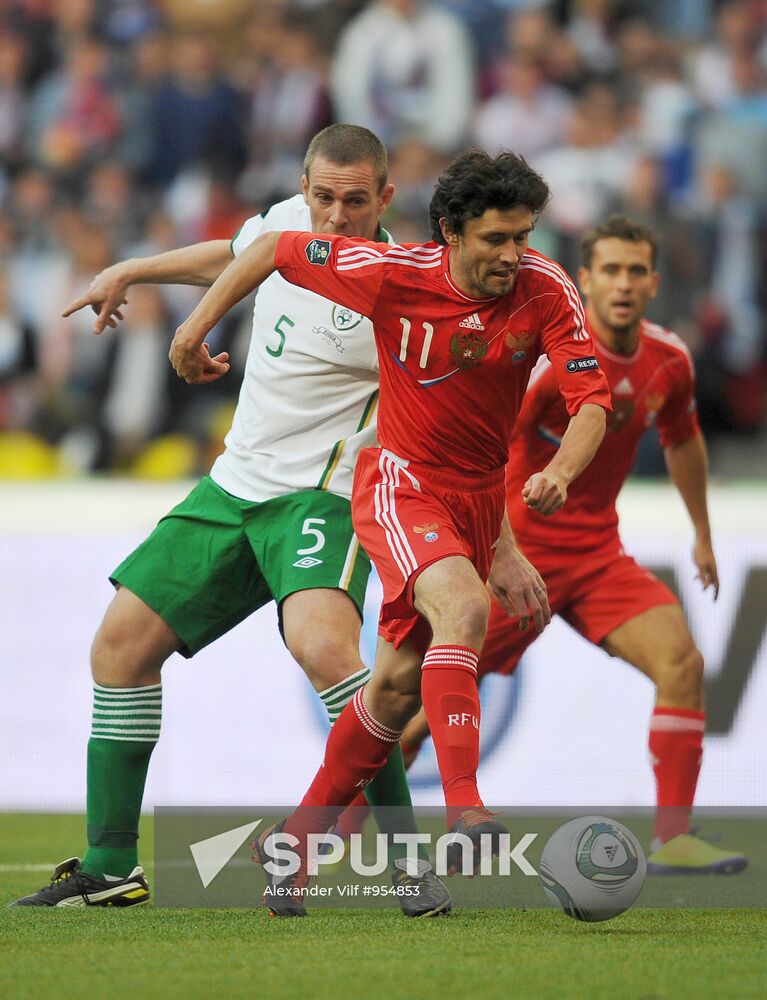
592	868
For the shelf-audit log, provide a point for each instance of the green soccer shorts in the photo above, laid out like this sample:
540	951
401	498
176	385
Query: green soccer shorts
215	559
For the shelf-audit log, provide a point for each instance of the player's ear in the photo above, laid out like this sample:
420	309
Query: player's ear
583	279
385	197
305	187
451	237
654	285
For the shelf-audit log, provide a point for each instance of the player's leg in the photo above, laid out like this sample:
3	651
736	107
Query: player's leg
658	642
321	594
501	652
453	599
321	603
128	652
127	655
169	599
322	632
451	592
357	748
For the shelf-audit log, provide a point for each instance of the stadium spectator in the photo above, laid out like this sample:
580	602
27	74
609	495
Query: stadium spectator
13	99
738	32
404	68
195	116
289	104
73	112
732	323
526	113
589	169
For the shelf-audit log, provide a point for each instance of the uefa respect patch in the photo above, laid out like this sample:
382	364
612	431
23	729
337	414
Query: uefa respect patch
318	252
581	364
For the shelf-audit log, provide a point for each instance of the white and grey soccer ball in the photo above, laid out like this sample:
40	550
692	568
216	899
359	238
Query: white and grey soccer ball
592	868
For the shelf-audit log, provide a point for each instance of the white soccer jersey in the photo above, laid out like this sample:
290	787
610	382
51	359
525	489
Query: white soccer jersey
309	396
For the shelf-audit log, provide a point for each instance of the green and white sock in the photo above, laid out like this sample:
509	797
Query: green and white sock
336	698
125	729
388	794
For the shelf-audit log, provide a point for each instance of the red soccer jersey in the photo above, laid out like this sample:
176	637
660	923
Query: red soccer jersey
453	368
656	384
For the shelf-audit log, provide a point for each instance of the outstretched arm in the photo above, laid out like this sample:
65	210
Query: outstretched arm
687	465
188	353
546	491
199	264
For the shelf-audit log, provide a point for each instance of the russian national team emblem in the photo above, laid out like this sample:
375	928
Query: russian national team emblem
318	252
429	531
468	349
345	319
521	341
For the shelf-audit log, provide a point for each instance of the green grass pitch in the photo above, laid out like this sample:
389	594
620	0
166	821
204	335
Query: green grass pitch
479	954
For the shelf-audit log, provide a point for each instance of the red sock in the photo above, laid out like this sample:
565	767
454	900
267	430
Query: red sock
451	702
352	819
676	749
357	748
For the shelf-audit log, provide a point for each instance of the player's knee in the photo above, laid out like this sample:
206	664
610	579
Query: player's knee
680	680
123	653
471	619
326	659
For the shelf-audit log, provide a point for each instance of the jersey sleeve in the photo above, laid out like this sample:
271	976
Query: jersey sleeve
292	213
570	348
541	395
250	230
346	271
677	419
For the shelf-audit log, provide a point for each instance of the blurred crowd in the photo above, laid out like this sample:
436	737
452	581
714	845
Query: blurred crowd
129	127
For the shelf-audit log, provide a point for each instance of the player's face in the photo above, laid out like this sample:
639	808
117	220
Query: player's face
618	284
486	256
346	200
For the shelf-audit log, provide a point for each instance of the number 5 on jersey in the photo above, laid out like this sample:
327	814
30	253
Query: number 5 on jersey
310	528
277	351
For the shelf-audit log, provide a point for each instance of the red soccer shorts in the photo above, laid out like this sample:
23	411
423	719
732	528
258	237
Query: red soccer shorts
593	592
409	516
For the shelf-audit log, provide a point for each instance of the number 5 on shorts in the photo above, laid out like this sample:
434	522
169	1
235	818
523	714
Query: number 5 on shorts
319	537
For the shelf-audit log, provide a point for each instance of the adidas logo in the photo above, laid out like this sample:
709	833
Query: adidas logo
624	387
472	322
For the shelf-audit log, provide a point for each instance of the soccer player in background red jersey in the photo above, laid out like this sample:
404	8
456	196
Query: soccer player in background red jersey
598	589
459	324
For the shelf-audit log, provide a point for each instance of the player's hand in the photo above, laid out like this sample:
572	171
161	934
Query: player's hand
106	295
545	492
519	587
705	560
195	365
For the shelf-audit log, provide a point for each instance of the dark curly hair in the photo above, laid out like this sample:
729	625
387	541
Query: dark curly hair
476	181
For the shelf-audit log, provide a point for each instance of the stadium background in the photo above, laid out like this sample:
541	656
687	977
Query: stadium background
130	127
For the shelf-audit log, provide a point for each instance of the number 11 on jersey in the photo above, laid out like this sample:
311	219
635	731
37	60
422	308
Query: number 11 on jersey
428	334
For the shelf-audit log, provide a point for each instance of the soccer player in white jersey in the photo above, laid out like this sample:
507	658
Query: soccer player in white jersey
272	521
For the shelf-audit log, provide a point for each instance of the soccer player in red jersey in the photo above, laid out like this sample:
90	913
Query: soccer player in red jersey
598	589
459	324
